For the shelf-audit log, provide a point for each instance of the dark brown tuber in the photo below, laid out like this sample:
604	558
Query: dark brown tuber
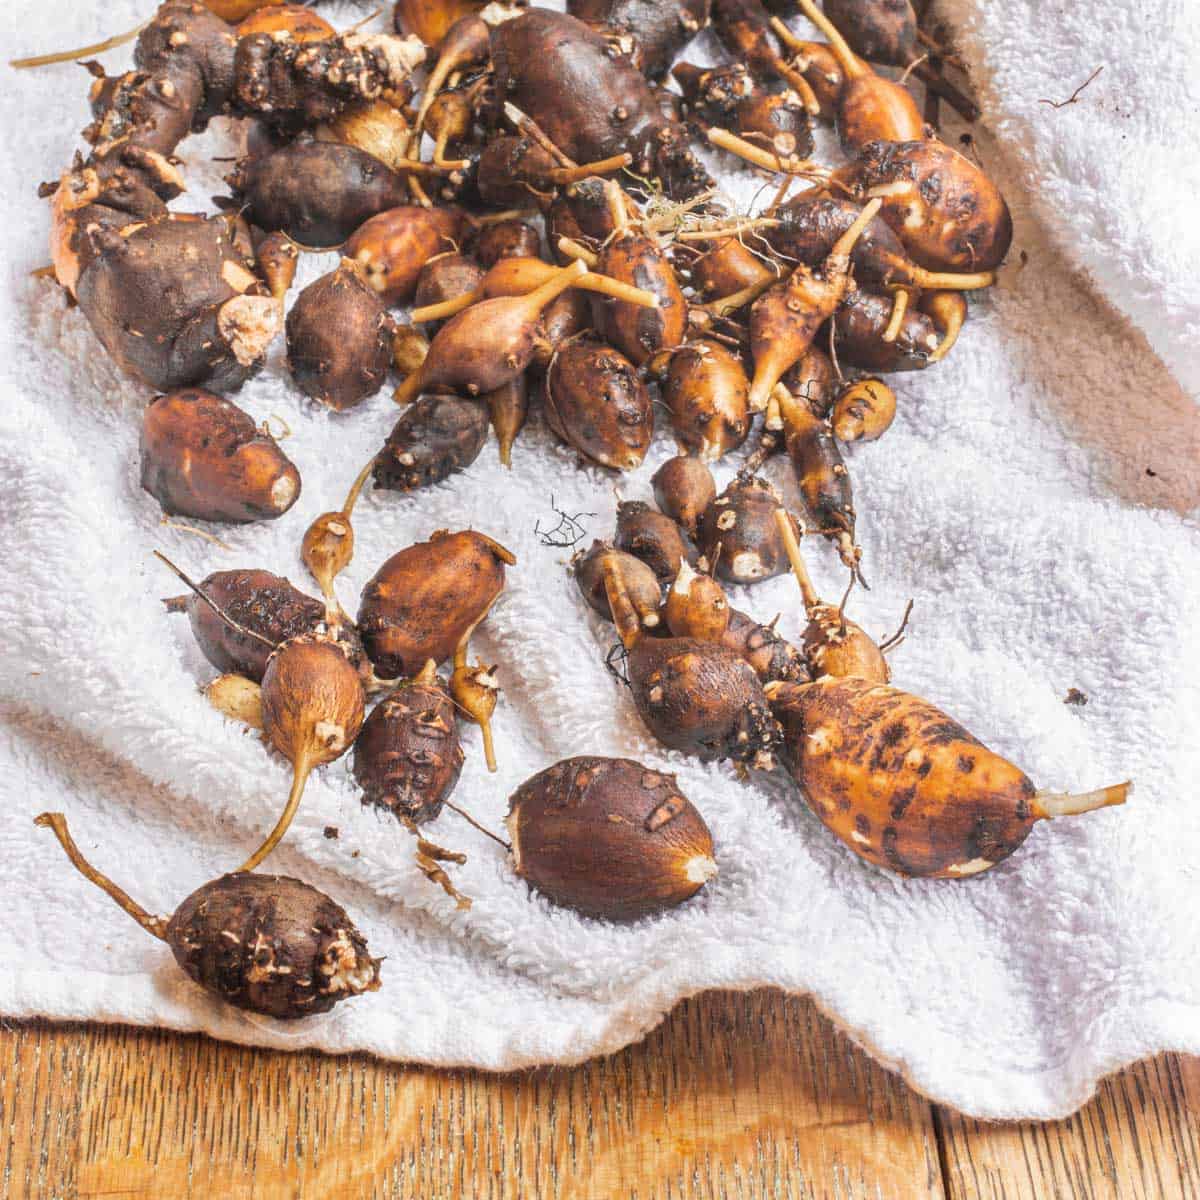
505	239
596	402
265	943
202	456
683	489
861	326
435	438
425	599
641	584
407	758
654	538
609	838
738	533
339	338
654	32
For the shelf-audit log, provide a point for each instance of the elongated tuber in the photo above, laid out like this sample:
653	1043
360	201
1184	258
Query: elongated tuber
641	584
907	787
609	837
202	456
393	246
654	538
436	437
708	394
266	943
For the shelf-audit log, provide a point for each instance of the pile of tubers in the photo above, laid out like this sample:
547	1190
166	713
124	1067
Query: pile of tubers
527	227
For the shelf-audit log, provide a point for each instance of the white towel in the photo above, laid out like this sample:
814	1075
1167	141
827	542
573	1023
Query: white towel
1035	498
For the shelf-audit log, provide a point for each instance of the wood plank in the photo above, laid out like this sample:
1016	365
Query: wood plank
744	1096
1138	1139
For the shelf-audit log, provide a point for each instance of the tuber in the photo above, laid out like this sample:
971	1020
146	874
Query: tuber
436	437
860	330
641	583
707	392
907	787
654	538
683	489
696	606
393	246
738	534
407	758
654	32
864	410
422	602
609	838
266	943
202	456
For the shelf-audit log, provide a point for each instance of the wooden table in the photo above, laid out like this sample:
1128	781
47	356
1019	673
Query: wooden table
741	1096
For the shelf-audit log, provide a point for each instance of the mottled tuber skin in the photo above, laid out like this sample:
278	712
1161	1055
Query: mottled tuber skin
174	305
693	696
339	338
861	325
269	944
654	538
641	584
708	395
907	787
505	239
407	758
298	21
343	187
393	246
202	456
943	208
655	31
863	411
745	30
771	656
738	532
562	319
596	402
436	437
813	380
609	838
423	601
683	489
591	102
640	333
264	604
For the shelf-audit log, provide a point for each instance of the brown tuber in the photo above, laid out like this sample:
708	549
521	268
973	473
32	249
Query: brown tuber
265	943
508	408
696	606
707	392
654	538
312	709
505	239
202	456
738	533
596	402
339	338
693	696
435	438
907	787
864	411
683	489
425	599
861	328
641	584
609	838
407	758
393	246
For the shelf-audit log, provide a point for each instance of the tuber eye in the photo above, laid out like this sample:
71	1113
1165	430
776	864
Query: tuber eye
407	758
738	534
436	437
266	943
609	838
683	489
596	402
423	601
339	338
912	790
202	456
654	538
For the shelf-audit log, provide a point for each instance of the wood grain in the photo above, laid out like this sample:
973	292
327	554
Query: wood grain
743	1096
1139	1139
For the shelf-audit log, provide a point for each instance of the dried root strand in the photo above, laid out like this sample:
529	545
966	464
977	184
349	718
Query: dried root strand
428	856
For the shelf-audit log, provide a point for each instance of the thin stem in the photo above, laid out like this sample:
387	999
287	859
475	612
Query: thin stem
301	770
1068	804
565	175
45	60
250	633
948	281
791	547
489	747
735	300
617	209
564	278
470	820
57	824
796	81
527	125
445	309
844	244
899	308
851	64
717	232
360	481
766	159
574	249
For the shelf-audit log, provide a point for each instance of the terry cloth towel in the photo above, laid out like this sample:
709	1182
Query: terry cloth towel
1035	498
